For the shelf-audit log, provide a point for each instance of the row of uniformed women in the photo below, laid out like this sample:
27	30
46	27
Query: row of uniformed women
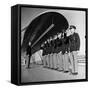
54	53
61	51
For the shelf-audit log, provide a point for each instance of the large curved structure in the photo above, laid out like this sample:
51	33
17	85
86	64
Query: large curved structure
42	27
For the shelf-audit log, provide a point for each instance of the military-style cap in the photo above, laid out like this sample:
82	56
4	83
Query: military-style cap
72	26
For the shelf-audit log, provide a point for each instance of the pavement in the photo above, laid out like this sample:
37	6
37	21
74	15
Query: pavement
38	73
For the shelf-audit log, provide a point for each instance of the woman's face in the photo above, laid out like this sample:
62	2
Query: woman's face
72	30
29	43
68	32
59	35
50	38
55	37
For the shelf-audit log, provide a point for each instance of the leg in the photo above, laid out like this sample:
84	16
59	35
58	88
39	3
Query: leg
55	61
66	63
29	61
63	61
50	60
44	60
60	63
75	62
71	62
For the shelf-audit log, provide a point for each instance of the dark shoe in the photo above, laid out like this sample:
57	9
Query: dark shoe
75	73
52	68
55	68
66	71
45	66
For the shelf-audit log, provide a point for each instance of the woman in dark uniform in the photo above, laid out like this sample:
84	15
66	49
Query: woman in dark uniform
59	54
52	54
28	52
74	48
64	52
55	53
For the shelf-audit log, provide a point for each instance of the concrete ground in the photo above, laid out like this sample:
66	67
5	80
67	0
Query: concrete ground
38	73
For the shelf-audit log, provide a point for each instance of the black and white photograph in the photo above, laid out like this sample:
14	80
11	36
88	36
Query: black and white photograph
53	44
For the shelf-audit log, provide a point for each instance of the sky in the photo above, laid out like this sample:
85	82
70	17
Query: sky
74	17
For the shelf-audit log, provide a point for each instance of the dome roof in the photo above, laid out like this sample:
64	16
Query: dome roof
45	25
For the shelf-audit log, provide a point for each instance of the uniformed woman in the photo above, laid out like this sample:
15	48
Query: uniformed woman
64	53
74	47
59	55
55	53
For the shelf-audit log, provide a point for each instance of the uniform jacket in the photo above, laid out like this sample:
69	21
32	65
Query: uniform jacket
64	44
52	46
28	52
45	49
55	46
58	45
48	47
74	42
